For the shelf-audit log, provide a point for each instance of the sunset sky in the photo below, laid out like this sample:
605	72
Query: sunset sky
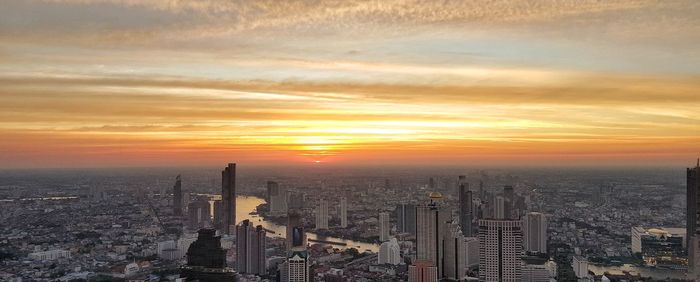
166	83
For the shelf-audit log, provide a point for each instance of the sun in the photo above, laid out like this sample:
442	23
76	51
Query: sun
318	162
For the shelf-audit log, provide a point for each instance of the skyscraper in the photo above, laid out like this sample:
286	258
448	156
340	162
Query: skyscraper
218	215
206	260
198	214
499	208
228	198
276	198
431	220
389	252
465	209
295	230
343	212
422	271
250	248
455	254
322	214
693	207
406	218
535	232
296	268
500	248
384	226
177	196
509	202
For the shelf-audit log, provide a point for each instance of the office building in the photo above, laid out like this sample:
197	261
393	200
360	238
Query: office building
389	252
471	244
343	212
535	232
218	214
322	214
198	214
499	209
509	202
297	267
228	198
296	200
660	246
431	222
206	259
500	250
422	271
580	266
296	236
250	248
177	197
384	226
692	217
465	208
276	198
50	255
406	218
455	254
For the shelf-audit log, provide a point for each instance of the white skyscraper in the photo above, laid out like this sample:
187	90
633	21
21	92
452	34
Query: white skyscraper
322	215
535	232
500	250
343	212
384	226
389	252
431	222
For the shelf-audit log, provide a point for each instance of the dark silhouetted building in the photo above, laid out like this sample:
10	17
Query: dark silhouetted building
465	208
177	196
206	259
228	198
250	248
295	230
406	218
693	207
198	214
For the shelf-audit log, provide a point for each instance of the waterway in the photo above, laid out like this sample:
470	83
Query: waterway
247	204
654	273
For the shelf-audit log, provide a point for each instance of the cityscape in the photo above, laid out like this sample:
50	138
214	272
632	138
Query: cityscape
349	140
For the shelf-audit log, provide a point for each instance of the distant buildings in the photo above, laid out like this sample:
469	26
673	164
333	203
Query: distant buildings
535	232
659	246
465	208
422	271
343	212
198	214
206	260
431	219
49	255
509	202
250	248
384	226
322	214
389	252
277	198
167	250
500	250
406	218
693	208
228	198
177	196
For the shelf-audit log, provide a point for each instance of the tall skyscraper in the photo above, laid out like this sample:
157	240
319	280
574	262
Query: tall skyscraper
384	226
276	198
218	215
322	214
500	250
343	212
296	237
206	260
455	256
177	196
535	232
297	267
692	230
389	252
250	248
422	271
406	218
509	202
198	214
499	208
431	220
465	209
228	198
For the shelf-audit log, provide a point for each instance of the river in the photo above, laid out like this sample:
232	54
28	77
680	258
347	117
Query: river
247	204
654	273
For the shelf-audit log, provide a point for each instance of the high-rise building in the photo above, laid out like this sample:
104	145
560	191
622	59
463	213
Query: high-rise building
499	208
535	232
422	271
322	214
250	248
343	212
431	222
580	266
228	198
296	200
465	209
406	218
276	198
659	246
198	214
296	237
206	259
509	202
455	254
472	246
218	214
177	196
389	252
692	224
500	248
297	267
384	226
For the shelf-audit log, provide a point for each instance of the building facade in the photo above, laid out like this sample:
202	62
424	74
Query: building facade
228	198
500	250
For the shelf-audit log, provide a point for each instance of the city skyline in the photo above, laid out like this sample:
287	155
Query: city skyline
170	83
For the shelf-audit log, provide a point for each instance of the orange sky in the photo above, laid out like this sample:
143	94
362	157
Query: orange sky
132	83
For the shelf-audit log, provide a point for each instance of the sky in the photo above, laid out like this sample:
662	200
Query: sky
101	83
